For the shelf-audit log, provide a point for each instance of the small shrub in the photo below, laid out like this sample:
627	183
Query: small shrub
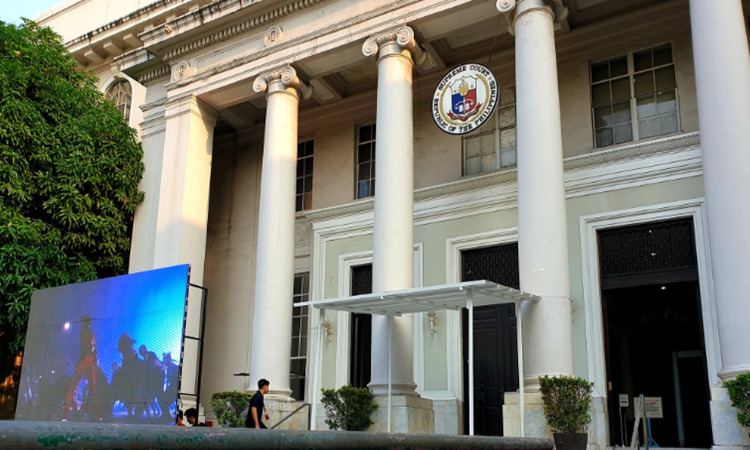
348	408
739	394
567	403
229	406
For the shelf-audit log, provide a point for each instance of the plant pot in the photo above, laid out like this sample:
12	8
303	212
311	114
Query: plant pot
571	441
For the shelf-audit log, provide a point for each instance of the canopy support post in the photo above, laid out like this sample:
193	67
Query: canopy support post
519	338
390	367
318	375
470	307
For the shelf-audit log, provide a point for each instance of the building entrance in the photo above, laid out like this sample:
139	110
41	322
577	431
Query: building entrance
495	343
653	331
361	330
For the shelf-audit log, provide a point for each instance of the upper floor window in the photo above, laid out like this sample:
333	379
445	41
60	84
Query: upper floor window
121	93
366	161
298	367
634	96
304	175
493	145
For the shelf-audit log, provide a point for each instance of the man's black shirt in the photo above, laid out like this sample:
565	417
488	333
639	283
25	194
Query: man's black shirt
257	402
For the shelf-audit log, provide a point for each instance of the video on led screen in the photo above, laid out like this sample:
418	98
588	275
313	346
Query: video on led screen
105	351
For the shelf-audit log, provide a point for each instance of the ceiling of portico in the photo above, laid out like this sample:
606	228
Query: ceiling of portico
467	33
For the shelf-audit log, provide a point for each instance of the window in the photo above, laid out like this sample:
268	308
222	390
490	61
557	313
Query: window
122	95
304	175
634	96
493	145
298	366
366	161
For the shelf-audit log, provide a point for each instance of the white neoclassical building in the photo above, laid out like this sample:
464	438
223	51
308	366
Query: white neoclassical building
612	180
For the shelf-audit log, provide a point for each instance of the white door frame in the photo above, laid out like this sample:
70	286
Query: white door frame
453	248
590	225
343	345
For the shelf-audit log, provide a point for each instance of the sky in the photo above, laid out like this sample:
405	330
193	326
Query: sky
13	10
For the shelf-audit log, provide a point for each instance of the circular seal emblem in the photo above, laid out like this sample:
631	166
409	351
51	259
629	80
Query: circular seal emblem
465	98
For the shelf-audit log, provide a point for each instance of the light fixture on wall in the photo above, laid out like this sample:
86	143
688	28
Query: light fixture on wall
327	329
433	322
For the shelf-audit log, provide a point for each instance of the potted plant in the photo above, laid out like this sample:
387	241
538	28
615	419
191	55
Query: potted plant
567	409
348	408
739	394
229	406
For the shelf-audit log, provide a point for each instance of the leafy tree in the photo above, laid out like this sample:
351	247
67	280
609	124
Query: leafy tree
69	173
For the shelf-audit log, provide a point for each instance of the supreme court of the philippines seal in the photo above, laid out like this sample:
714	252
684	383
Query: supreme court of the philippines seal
465	98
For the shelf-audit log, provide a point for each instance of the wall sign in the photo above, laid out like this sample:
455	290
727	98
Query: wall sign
465	98
654	408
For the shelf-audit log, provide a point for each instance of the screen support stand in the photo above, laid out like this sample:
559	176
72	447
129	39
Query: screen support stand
197	393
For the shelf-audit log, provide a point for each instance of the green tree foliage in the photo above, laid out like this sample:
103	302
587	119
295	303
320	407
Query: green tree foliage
229	406
69	173
348	408
739	394
567	403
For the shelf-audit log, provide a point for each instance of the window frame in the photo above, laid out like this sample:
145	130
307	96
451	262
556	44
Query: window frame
115	97
357	163
497	130
302	296
633	100
311	175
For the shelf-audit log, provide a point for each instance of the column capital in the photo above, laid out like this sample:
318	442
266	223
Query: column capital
513	9
282	79
393	42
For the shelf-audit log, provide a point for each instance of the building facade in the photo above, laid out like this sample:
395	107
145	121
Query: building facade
594	185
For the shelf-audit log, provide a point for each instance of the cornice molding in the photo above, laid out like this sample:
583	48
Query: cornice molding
321	45
601	158
210	13
163	71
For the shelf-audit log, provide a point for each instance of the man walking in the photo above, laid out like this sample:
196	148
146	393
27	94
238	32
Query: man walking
255	413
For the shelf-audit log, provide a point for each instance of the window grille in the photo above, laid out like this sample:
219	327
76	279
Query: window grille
646	248
498	264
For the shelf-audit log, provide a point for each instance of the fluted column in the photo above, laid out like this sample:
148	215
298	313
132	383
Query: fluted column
274	275
542	220
393	233
722	78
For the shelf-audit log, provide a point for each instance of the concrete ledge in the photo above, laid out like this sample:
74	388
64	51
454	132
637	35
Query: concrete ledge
44	435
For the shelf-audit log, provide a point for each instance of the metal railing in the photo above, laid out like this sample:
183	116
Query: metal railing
304	405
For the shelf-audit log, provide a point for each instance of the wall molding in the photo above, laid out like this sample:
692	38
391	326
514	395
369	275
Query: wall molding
638	164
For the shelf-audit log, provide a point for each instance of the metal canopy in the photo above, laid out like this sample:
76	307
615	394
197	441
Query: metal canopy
432	298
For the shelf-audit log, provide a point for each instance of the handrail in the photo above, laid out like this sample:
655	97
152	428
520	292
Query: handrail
291	414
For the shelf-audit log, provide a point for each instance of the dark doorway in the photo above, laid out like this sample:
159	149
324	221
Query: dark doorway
361	330
495	343
653	326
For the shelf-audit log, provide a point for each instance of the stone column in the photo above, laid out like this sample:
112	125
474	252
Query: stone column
542	220
393	231
722	78
274	276
177	233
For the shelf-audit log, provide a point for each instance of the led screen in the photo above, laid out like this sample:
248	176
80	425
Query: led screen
105	351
